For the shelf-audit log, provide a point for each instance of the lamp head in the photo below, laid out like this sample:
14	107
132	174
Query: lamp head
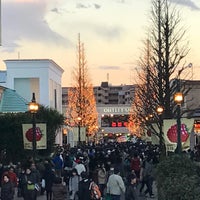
159	110
178	98
33	106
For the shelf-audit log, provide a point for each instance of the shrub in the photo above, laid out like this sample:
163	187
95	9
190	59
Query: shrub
177	179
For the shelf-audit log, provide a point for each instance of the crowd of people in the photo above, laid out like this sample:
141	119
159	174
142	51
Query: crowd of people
116	168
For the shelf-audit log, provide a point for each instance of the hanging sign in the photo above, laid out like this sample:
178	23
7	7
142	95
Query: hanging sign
41	140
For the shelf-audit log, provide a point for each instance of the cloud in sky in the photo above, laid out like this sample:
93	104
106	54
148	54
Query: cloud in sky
109	67
26	20
108	32
112	31
187	3
93	5
89	18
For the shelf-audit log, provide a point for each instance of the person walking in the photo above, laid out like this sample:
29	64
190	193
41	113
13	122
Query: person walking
58	164
28	181
115	185
7	188
131	193
80	167
12	175
84	187
136	164
49	177
102	178
58	189
73	184
37	178
146	177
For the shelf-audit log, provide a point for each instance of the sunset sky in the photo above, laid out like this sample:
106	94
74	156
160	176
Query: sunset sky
111	30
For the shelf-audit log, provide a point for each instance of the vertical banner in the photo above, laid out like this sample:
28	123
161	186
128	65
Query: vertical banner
41	139
82	134
170	133
70	138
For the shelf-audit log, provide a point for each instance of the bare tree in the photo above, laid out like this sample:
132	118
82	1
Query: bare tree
164	52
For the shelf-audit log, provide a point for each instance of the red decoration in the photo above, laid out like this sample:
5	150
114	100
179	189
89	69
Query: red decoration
119	124
29	134
172	133
125	124
114	124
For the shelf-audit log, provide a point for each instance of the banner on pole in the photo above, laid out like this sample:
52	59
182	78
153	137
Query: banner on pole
41	139
82	134
170	133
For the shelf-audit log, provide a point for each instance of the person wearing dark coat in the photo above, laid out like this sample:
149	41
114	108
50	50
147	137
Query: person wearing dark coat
58	189
131	193
49	177
83	187
7	188
28	181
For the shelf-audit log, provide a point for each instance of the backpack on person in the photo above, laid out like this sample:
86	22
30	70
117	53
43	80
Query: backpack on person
94	191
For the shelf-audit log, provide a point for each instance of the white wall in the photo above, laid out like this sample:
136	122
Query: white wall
39	76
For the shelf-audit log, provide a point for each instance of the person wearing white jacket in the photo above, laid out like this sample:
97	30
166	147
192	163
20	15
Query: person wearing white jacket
80	167
115	185
73	184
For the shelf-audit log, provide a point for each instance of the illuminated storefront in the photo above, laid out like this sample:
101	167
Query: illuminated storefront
113	120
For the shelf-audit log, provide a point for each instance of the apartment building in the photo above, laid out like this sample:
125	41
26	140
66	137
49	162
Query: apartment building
107	94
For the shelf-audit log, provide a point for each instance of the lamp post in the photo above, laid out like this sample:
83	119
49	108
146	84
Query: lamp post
33	108
178	98
79	130
159	111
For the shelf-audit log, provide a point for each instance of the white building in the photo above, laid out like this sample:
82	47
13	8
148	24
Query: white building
39	76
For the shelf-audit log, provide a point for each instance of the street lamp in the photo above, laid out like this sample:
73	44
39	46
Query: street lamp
33	108
159	111
79	130
178	98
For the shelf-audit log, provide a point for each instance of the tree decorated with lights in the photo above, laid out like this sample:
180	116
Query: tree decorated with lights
81	107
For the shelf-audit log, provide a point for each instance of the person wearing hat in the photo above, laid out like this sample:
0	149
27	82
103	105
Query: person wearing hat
115	185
